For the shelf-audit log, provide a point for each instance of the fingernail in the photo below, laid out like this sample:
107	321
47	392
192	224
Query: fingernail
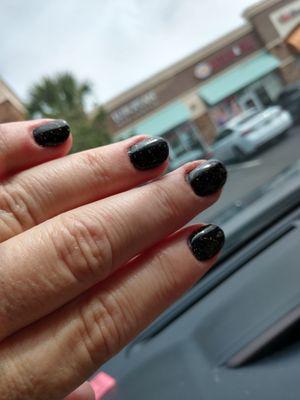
206	242
52	134
208	177
149	153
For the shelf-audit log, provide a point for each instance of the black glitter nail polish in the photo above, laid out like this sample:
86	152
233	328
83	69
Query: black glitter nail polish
206	242
52	134
208	177
149	153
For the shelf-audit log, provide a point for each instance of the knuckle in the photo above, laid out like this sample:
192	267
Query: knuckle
96	165
17	208
105	326
16	380
167	278
4	145
84	247
168	204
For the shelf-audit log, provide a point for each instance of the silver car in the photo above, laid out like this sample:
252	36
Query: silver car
246	133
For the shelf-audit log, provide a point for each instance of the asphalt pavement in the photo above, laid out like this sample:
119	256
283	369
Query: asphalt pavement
244	177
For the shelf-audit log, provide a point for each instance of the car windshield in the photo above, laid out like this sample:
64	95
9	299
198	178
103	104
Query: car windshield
151	91
243	120
223	134
206	104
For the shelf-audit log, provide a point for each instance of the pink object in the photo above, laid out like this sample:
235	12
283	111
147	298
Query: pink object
102	384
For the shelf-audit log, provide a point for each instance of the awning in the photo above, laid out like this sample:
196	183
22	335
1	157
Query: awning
160	122
164	120
238	77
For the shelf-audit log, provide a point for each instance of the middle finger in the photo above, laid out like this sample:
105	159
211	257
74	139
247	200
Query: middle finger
47	266
40	193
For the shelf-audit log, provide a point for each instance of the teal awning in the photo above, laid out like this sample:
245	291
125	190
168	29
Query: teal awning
238	77
165	119
160	122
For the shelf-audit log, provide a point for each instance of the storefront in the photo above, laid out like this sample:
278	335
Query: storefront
254	83
189	102
174	123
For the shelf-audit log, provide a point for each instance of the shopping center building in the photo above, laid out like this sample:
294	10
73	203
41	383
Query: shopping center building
11	108
190	101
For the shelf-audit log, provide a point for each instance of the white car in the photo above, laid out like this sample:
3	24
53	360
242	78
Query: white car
246	133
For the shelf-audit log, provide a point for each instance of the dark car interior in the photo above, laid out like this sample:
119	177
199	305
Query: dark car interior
234	335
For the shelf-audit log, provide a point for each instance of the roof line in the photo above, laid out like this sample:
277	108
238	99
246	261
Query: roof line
259	7
177	67
185	93
11	96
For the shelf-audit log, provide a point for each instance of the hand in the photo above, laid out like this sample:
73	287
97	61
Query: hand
90	254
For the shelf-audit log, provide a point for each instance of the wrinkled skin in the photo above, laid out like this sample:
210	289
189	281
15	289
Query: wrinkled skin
92	250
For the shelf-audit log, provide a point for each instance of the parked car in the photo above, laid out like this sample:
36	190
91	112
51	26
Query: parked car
289	99
246	133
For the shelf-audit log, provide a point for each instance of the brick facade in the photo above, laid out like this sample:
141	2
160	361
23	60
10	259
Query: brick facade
11	108
271	38
179	82
206	127
184	80
9	113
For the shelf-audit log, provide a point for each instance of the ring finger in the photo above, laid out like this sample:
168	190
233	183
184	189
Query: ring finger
40	193
54	262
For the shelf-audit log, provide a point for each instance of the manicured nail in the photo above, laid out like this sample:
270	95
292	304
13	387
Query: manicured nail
52	134
206	242
149	153
208	177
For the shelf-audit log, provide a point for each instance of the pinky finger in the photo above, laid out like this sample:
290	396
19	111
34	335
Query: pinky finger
29	143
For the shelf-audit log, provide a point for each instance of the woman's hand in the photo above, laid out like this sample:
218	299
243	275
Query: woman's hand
89	255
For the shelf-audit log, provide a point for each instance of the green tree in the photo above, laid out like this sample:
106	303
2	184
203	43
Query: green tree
63	97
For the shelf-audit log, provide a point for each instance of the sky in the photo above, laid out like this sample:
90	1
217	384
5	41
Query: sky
114	44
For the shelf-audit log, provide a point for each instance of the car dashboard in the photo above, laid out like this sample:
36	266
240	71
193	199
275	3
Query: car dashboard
236	334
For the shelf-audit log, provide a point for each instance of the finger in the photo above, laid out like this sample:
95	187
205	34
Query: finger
38	194
25	144
86	332
83	392
54	262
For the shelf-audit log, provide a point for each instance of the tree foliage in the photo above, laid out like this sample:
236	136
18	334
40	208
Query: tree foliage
64	97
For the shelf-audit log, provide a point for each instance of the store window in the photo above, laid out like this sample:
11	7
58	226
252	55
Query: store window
182	139
258	95
227	109
263	96
272	85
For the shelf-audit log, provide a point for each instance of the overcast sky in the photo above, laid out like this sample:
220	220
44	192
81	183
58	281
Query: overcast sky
113	43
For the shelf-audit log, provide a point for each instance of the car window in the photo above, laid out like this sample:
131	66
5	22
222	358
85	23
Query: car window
248	118
223	134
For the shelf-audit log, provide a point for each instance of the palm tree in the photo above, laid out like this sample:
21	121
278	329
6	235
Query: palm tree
62	96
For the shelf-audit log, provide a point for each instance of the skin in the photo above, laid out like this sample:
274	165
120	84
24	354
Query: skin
90	255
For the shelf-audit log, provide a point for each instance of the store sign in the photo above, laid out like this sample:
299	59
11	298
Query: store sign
286	18
203	70
135	108
225	57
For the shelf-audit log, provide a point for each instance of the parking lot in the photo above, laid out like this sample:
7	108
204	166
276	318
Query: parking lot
245	177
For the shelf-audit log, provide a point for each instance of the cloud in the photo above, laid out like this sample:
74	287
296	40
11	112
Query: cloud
115	44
